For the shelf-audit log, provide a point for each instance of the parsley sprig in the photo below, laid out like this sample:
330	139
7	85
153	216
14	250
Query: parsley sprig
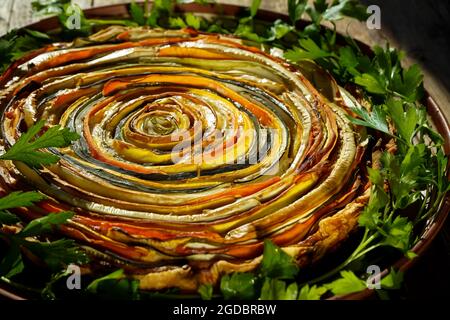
276	280
27	147
55	254
28	239
65	11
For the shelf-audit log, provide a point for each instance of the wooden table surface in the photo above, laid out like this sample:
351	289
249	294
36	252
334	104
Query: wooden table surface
419	27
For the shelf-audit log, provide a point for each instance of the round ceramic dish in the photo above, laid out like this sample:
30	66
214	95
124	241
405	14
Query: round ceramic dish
434	111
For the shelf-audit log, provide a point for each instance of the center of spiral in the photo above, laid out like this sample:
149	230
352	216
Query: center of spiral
159	125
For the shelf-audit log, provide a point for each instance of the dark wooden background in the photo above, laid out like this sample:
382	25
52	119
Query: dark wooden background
419	27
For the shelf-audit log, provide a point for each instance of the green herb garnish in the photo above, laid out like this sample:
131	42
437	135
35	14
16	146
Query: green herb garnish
26	149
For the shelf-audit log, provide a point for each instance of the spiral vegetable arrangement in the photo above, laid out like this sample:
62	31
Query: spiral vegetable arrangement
194	149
